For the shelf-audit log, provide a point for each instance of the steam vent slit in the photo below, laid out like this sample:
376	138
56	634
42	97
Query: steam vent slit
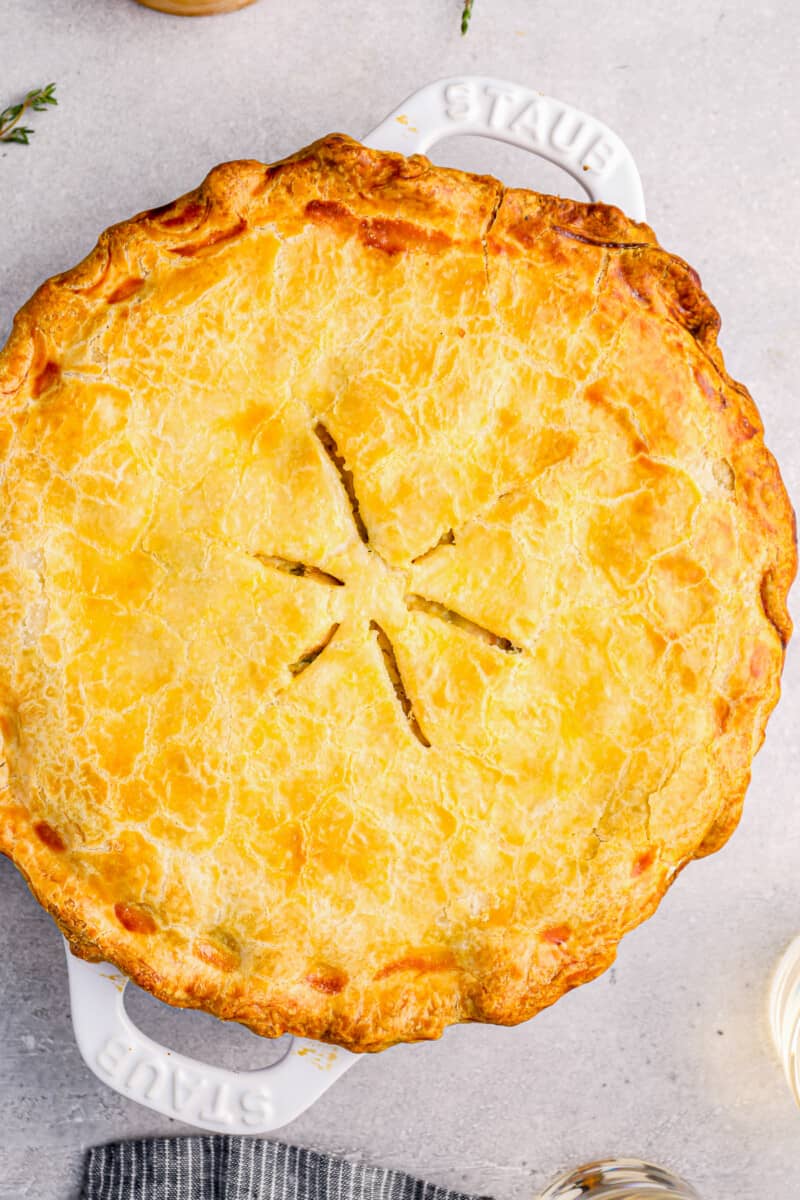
434	609
289	567
447	539
310	656
393	671
346	476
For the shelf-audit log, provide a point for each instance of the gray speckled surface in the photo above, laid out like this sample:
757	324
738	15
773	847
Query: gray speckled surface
667	1055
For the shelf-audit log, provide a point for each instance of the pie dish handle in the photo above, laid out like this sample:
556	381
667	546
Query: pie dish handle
507	112
209	1097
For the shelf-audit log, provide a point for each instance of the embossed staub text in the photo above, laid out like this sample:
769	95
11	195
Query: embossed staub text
194	1096
531	120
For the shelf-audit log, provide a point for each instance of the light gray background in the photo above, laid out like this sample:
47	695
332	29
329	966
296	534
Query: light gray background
667	1055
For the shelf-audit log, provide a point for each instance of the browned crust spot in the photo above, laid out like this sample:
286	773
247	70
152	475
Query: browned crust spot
212	242
187	213
667	285
594	241
134	918
556	935
49	837
709	389
125	290
328	980
396	237
224	957
330	212
643	863
442	960
49	374
390	235
773	601
722	713
528	216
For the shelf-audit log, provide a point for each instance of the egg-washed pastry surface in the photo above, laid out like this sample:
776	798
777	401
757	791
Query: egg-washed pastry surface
392	594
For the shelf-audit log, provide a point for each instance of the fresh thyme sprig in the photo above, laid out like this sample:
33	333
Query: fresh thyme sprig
37	101
465	15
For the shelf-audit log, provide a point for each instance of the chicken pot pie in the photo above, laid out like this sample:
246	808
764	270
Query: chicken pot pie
393	594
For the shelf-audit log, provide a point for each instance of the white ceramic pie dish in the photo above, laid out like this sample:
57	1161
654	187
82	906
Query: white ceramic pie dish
233	1101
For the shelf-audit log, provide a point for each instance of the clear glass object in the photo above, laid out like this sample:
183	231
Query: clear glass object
195	8
784	1015
619	1179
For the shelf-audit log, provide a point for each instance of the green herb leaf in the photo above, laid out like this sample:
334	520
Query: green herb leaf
10	114
36	100
41	97
466	14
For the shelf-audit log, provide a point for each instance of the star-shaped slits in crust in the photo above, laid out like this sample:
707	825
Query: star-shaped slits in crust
382	582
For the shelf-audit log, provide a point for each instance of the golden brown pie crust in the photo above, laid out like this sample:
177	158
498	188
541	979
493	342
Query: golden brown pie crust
392	594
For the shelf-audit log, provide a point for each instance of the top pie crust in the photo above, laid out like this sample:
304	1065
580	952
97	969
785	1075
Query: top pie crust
392	594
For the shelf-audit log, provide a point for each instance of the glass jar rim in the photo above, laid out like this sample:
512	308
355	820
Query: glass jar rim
619	1179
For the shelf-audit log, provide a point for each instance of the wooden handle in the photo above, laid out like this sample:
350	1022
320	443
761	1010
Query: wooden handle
195	8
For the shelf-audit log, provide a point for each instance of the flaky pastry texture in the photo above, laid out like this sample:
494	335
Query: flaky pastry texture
392	594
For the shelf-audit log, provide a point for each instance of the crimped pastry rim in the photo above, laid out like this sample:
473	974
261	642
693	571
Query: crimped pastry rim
221	211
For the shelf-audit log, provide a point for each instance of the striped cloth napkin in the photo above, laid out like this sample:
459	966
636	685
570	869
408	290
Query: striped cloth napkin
238	1168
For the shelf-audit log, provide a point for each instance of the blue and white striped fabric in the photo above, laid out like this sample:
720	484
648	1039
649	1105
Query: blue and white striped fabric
236	1168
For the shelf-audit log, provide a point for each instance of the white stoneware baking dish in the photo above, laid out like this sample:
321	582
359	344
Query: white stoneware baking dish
228	1101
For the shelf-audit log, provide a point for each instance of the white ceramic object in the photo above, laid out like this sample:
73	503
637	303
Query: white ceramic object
227	1101
507	112
213	1098
784	1015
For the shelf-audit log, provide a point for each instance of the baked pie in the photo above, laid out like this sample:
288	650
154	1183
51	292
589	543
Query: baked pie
393	594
